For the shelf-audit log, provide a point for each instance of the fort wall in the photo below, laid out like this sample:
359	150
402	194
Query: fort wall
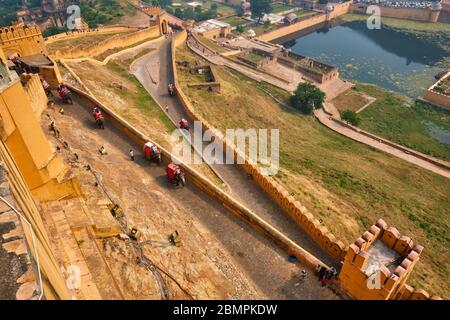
23	40
118	41
436	98
36	94
40	165
53	281
401	13
339	9
87	33
318	232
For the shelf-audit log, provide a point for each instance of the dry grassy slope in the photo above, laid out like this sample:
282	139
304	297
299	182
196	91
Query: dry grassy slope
79	42
345	184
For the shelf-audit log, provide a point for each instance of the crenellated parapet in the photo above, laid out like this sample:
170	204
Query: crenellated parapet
378	264
22	39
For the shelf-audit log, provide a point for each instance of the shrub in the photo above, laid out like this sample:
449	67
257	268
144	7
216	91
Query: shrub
350	116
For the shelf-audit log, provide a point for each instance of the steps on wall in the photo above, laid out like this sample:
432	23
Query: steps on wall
71	229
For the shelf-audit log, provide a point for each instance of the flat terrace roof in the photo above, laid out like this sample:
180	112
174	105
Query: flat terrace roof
380	254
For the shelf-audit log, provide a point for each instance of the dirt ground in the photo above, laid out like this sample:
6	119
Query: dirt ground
200	265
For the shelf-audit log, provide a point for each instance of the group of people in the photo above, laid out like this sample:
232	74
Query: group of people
326	274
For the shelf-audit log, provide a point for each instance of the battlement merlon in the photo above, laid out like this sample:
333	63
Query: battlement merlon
383	252
22	39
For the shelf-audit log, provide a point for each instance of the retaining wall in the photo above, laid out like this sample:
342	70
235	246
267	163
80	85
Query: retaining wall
90	32
438	99
400	13
319	233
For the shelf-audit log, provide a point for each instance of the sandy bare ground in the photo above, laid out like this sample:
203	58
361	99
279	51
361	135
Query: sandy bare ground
201	265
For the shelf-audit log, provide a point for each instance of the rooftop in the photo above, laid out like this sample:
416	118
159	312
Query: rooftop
210	25
381	255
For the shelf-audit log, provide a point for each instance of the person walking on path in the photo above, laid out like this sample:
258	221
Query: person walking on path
321	271
131	155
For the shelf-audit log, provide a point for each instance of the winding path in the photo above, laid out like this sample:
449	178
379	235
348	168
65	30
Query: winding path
241	187
430	163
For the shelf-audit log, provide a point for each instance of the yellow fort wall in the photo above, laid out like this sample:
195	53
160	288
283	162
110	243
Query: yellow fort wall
53	282
118	41
42	168
87	33
21	39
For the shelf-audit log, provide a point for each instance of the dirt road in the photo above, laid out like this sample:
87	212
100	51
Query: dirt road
333	125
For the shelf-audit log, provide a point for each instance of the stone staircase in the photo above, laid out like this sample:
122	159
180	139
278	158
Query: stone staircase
72	232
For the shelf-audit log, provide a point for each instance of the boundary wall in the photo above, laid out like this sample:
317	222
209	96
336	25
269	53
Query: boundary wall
339	10
117	41
87	33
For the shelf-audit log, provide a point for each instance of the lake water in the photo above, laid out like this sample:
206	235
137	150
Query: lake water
383	57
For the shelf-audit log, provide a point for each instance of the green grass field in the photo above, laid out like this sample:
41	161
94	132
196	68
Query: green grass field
280	7
398	118
345	184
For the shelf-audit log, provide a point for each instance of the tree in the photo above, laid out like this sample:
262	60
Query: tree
50	31
307	97
240	29
350	116
259	7
179	13
240	11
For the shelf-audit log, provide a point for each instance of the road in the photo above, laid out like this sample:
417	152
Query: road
257	257
240	185
333	125
320	115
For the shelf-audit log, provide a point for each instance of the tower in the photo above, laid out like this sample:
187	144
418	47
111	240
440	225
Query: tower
378	263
